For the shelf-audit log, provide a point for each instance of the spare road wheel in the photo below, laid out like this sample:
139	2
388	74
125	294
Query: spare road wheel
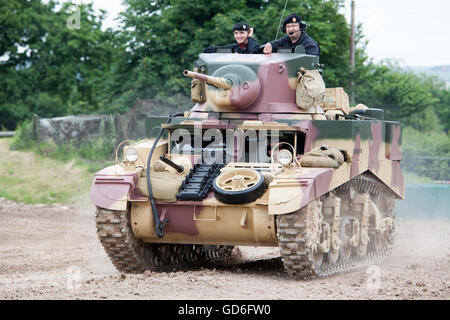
239	186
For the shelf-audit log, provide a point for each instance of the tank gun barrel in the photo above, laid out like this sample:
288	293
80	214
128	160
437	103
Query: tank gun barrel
218	82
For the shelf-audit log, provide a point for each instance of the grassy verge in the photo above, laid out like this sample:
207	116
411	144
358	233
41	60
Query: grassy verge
95	154
31	178
47	173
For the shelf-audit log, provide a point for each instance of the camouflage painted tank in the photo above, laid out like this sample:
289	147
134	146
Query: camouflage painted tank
267	157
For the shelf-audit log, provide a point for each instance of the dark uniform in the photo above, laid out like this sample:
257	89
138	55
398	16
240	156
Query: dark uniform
251	47
311	47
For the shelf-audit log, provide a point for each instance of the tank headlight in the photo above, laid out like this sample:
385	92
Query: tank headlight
285	157
131	154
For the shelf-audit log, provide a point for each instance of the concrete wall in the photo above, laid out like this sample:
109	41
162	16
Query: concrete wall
82	128
131	125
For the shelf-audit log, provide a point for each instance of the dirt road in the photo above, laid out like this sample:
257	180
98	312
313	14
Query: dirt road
52	252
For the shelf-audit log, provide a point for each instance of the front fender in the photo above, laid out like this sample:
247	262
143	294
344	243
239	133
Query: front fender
290	194
112	192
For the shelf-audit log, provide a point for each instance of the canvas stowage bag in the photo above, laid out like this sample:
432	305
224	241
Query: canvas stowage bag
310	89
324	158
165	185
198	91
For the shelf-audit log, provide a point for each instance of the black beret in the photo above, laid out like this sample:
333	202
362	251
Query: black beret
241	26
292	18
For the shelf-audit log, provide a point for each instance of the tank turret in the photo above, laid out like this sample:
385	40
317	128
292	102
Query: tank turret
252	83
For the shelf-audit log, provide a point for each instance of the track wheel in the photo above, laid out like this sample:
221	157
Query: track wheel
360	250
346	236
333	255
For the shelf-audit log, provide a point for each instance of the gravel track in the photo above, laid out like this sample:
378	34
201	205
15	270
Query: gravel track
52	252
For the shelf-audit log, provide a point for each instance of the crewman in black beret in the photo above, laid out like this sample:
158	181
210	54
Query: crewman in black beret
245	43
294	28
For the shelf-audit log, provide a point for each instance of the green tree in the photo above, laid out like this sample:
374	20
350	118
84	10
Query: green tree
48	68
163	37
441	109
22	24
404	96
426	154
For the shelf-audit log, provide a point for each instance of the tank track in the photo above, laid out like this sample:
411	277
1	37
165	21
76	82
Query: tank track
130	255
297	257
367	182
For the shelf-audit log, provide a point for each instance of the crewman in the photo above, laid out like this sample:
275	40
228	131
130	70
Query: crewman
294	28
245	43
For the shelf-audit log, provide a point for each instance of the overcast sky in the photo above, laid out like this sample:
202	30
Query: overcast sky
415	32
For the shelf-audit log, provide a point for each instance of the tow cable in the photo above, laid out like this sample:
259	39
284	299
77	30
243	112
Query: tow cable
159	225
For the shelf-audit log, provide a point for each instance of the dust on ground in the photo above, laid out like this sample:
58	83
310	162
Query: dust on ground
52	252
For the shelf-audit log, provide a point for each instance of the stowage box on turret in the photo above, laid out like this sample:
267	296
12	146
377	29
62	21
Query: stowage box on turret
267	157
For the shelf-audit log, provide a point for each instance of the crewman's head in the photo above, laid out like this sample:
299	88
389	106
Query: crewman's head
241	31
292	25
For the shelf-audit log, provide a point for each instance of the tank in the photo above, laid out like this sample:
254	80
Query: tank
266	157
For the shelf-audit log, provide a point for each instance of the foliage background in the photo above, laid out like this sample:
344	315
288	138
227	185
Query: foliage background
51	70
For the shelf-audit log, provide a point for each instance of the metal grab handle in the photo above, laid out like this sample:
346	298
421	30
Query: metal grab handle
209	219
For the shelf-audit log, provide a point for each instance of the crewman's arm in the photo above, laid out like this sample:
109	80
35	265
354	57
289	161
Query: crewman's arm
277	44
271	46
